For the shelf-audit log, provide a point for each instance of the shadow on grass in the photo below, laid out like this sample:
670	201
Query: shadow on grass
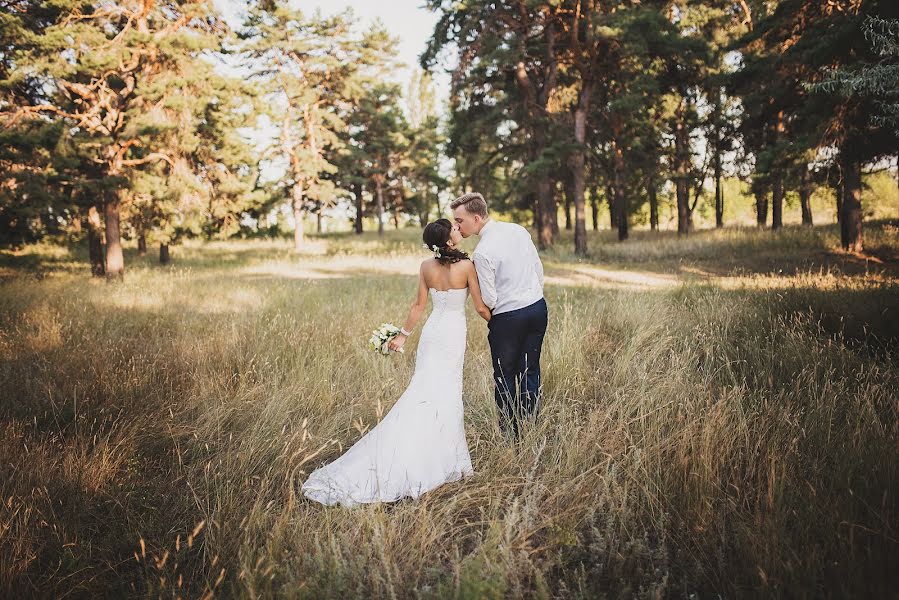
90	473
90	534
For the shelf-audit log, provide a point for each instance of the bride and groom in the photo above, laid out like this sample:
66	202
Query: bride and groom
420	444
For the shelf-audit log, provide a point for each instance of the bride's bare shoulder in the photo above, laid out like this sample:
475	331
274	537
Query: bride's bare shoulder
428	267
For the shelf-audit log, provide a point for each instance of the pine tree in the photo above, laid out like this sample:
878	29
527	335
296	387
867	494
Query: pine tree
109	72
508	69
806	42
304	65
224	161
375	60
425	144
384	143
876	78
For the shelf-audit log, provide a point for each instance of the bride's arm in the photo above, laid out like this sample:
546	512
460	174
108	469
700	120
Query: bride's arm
418	307
475	289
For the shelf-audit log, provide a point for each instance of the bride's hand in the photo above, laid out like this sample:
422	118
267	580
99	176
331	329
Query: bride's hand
396	343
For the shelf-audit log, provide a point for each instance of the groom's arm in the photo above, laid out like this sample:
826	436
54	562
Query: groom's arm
475	289
486	279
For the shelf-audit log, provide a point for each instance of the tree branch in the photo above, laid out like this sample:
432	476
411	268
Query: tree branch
40	108
153	156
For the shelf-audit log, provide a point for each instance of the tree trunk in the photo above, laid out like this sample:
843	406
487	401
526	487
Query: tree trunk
719	192
379	196
580	216
681	170
297	216
683	205
777	183
554	213
437	203
357	191
141	244
164	257
594	207
716	148
653	204
577	172
610	198
621	208
568	195
207	226
777	200
838	196
536	100
95	242
115	260
547	204
396	218
805	196
318	221
851	220
761	206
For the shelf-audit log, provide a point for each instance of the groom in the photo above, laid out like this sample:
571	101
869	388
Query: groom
510	275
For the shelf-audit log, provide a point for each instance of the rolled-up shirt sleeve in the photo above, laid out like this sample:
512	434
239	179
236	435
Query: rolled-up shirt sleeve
486	279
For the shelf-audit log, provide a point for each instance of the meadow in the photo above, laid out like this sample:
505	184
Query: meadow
719	420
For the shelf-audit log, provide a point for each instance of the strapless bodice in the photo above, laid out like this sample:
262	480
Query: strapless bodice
449	300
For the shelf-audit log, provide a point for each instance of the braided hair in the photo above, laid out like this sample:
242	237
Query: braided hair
436	235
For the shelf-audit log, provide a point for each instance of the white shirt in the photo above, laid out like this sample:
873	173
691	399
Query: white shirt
510	273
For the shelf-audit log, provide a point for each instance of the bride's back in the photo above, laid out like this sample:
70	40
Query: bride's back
446	277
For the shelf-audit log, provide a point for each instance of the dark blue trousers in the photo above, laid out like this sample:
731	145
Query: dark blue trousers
516	339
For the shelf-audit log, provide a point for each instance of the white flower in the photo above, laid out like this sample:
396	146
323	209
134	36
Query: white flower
381	337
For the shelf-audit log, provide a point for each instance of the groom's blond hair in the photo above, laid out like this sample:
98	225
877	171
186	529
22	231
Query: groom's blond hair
473	202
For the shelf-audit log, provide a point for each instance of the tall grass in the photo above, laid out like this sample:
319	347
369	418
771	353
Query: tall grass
695	438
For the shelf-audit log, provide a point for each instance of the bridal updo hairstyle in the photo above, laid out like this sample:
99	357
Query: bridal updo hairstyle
437	233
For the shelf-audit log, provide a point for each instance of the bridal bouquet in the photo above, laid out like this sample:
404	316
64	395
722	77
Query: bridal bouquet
381	336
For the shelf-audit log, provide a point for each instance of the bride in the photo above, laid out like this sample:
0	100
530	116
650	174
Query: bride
420	444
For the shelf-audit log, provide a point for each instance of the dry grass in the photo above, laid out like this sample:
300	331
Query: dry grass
711	425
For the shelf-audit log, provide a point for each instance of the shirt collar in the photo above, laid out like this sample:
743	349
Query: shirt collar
486	228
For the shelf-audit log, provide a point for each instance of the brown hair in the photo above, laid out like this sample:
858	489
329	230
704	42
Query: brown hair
437	234
473	203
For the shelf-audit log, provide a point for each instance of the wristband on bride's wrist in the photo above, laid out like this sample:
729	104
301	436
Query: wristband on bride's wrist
404	332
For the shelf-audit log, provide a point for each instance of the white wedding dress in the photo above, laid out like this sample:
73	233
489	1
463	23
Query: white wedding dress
420	444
